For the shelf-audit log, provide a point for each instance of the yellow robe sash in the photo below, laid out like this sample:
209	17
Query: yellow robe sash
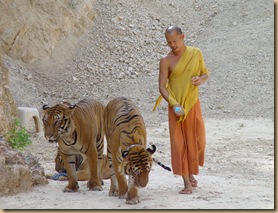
180	88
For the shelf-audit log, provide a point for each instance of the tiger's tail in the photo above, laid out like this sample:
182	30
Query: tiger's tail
162	165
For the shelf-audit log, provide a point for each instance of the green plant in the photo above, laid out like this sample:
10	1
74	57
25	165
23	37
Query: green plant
18	136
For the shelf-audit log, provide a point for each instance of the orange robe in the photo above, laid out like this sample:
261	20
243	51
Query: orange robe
187	132
188	141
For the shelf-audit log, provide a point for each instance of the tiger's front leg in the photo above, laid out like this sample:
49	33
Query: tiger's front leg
94	183
113	180
132	194
121	179
122	186
113	183
69	161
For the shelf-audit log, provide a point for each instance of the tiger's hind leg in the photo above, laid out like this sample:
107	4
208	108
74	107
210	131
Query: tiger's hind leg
82	175
99	164
105	170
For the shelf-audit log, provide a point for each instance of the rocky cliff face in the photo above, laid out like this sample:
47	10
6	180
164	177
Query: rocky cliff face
18	172
8	109
30	29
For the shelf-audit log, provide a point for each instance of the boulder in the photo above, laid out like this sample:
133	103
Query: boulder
18	172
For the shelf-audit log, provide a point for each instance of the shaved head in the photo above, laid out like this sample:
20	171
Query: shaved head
172	29
175	39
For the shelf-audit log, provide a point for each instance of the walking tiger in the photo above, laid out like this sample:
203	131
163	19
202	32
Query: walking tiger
126	149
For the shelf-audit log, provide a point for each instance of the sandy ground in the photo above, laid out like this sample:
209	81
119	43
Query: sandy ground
238	174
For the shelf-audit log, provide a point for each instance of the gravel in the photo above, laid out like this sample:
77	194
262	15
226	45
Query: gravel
119	56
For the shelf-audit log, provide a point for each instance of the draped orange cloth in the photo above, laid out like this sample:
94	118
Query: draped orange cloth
188	141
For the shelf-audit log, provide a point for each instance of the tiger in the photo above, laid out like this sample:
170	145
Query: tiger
78	129
82	167
125	133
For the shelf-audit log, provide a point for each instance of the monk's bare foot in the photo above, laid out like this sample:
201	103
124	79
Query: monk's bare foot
193	181
187	185
185	191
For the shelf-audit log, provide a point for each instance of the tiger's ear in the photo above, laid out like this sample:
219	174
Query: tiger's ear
124	154
45	106
152	150
72	106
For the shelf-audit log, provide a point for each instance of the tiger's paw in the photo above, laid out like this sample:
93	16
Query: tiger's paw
63	178
133	201
113	193
94	187
122	195
67	189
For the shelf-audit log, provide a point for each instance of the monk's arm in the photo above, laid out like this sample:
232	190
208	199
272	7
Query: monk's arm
163	78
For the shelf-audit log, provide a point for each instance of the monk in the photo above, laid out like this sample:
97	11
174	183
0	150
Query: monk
181	72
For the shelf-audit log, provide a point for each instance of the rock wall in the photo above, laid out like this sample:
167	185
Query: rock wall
18	172
30	29
8	108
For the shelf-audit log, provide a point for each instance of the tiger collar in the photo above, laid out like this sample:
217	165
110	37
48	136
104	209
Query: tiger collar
133	145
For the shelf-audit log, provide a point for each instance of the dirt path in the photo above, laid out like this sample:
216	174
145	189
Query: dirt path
239	161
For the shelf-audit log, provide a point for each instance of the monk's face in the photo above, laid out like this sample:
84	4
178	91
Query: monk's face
175	41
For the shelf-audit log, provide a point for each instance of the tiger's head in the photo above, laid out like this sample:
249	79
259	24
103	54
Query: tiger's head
59	163
57	121
137	162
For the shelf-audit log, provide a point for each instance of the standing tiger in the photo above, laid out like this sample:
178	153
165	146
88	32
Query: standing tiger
78	129
126	149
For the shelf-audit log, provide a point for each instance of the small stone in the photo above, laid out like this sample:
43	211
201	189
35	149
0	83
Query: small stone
29	77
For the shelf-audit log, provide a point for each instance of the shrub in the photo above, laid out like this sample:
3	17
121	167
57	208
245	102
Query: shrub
18	136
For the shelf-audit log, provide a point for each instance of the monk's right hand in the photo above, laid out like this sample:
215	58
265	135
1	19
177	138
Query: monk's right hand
178	110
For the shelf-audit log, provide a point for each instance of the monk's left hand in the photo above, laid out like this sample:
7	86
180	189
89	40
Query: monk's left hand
196	81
